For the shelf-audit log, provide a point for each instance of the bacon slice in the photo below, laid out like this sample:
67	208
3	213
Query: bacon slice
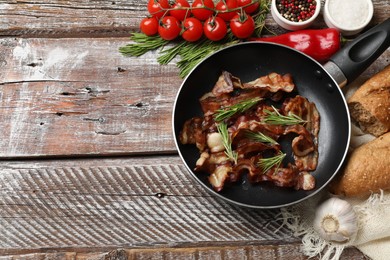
284	177
229	91
192	133
273	83
306	110
219	176
305	147
246	166
226	84
305	181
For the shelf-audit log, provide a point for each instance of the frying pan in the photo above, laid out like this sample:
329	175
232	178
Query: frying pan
319	84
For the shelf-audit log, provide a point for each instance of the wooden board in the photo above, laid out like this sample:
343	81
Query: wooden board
285	252
99	205
126	202
95	18
48	87
69	103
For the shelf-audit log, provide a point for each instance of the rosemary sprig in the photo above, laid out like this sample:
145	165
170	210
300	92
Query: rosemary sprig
227	142
275	118
169	54
142	45
260	17
267	163
260	137
190	53
222	114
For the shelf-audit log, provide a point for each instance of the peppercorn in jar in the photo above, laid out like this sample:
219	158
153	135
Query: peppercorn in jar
296	11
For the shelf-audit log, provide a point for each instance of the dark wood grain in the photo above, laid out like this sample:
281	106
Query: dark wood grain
289	251
79	18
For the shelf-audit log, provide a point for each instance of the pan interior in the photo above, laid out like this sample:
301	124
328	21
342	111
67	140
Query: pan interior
248	61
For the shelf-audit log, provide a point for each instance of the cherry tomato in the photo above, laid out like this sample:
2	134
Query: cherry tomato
202	13
215	28
250	8
155	7
180	14
149	26
224	5
193	29
242	25
169	28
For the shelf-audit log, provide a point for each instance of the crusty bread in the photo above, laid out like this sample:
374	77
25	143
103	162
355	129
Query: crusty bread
370	104
367	169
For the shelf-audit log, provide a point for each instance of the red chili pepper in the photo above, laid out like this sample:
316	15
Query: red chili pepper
319	44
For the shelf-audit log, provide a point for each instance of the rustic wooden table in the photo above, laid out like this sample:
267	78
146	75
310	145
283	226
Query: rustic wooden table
88	168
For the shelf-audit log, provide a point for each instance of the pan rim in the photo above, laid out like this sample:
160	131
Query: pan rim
213	192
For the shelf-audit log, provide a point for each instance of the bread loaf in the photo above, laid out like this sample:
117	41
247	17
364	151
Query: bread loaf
370	104
367	169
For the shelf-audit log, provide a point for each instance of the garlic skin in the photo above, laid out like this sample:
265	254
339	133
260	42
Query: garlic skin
335	220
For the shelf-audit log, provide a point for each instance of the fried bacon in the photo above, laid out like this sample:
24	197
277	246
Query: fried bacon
193	133
273	83
306	110
229	91
305	147
226	84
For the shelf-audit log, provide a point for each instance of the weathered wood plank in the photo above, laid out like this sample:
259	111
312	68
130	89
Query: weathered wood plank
286	252
124	202
96	18
70	18
62	97
97	205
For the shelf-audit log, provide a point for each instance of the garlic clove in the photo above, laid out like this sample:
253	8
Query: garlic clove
335	220
215	142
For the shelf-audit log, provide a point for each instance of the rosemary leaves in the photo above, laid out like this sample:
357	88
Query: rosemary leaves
240	107
267	164
260	137
275	118
227	142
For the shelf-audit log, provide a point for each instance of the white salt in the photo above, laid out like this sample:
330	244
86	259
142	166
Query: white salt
349	14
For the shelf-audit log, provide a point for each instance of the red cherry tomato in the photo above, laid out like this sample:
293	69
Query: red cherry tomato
169	28
193	29
215	28
182	13
155	7
250	8
242	25
224	5
149	26
202	13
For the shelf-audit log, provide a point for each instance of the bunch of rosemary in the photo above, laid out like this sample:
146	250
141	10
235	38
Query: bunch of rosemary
190	54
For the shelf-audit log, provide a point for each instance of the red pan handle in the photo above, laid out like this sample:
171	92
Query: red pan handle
359	54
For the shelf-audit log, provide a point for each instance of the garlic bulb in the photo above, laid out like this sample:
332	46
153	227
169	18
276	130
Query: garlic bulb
335	220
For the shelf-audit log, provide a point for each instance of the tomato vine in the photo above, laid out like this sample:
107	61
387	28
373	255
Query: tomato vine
192	43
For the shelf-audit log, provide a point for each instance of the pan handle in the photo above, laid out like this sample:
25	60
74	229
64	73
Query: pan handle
359	54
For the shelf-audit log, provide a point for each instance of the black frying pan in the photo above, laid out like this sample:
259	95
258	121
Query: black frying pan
320	85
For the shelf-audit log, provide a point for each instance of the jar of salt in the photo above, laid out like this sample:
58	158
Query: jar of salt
349	16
